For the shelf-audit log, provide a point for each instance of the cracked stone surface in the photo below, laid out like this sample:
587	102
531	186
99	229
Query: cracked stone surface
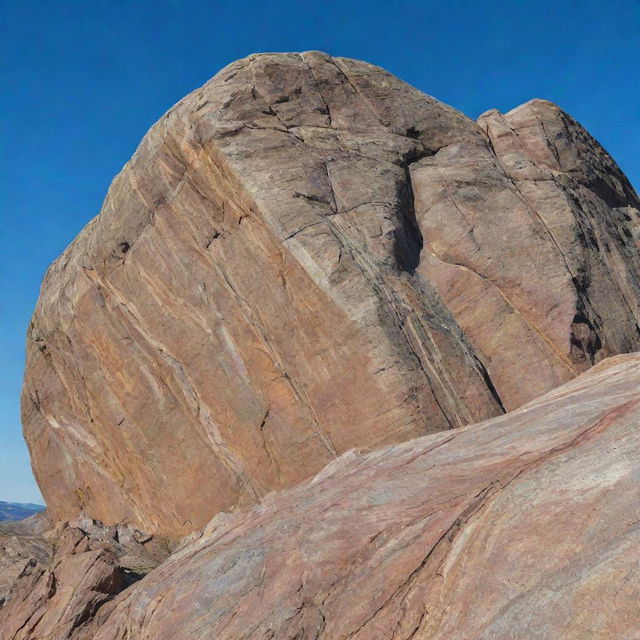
21	548
66	574
307	255
524	526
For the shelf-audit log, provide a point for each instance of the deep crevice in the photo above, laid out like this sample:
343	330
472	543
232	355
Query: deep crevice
489	382
408	240
584	339
310	197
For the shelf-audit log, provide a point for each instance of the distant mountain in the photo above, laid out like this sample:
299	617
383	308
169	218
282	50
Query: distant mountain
18	510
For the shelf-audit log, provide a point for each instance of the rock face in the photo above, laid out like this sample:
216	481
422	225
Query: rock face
307	255
21	548
525	526
51	602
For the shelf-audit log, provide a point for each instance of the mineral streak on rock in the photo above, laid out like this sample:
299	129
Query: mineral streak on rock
307	255
525	526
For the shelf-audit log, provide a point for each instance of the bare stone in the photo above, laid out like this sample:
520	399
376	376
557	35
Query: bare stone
54	583
525	526
306	256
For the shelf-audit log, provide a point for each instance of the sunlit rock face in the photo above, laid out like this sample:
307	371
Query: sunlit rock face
307	255
525	526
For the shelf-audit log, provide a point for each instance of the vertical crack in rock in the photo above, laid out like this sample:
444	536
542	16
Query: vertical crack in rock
408	240
317	84
489	382
414	331
408	249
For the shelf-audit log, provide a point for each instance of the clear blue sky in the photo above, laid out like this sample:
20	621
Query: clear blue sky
83	80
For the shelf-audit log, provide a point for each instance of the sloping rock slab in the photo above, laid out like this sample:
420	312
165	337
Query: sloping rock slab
525	526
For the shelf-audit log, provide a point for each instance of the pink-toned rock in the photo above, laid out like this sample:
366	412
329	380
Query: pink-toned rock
67	574
307	255
52	602
532	242
21	549
525	526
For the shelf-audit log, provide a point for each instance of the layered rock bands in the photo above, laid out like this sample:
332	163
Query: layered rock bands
307	255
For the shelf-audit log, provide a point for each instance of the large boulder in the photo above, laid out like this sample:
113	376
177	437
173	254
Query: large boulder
307	255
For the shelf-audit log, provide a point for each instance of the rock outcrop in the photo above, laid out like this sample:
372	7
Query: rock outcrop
21	548
66	574
307	255
525	526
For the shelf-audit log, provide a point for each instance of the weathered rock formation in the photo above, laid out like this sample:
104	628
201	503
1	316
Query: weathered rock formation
525	526
21	548
53	582
307	255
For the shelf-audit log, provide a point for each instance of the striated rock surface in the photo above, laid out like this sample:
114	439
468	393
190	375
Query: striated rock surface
534	246
21	548
525	526
67	574
307	255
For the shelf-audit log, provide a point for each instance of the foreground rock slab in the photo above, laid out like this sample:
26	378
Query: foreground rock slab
525	526
307	255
